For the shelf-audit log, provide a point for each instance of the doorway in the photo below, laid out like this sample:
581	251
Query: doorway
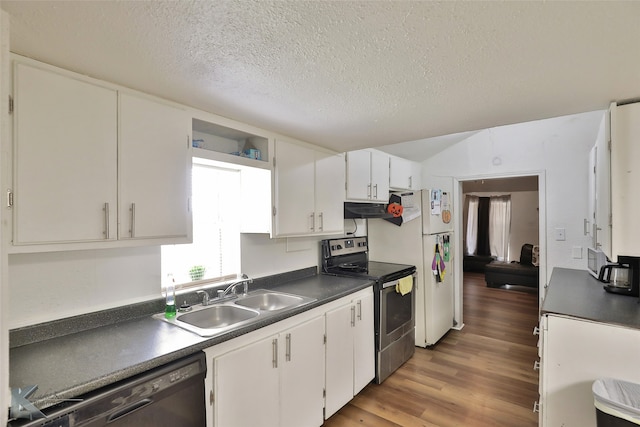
528	196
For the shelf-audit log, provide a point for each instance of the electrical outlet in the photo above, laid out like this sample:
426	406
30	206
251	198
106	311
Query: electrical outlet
576	252
560	234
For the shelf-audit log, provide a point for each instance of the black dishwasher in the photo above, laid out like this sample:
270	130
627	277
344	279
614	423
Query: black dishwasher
171	395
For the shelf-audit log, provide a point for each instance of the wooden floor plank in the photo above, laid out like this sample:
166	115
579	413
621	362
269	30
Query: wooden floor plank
479	376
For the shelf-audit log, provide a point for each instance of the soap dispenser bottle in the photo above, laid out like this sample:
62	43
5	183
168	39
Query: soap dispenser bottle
170	289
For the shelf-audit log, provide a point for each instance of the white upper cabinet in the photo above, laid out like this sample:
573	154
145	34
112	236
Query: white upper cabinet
154	167
94	167
404	174
367	176
65	159
308	191
599	183
625	175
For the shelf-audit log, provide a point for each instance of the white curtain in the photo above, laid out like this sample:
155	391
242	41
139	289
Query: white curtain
499	226
472	225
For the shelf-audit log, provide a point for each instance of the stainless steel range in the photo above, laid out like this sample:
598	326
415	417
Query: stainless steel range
394	313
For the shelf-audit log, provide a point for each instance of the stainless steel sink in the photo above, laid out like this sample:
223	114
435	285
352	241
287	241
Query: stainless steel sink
270	301
217	316
224	316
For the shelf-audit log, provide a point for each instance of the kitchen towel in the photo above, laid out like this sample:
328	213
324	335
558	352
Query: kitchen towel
404	285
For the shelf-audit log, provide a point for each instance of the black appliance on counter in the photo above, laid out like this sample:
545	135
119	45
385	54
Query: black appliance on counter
622	278
171	395
394	313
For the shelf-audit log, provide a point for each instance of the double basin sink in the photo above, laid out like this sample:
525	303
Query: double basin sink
220	317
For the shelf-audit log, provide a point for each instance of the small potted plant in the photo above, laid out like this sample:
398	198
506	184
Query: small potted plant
196	272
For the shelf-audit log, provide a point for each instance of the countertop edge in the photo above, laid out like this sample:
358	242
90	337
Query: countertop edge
575	293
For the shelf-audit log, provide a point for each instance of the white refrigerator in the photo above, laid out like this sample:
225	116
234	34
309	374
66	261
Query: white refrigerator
414	242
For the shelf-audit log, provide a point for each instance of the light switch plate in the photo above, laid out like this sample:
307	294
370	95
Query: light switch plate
560	234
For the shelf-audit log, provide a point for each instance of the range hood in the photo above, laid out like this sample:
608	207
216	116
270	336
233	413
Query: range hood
366	210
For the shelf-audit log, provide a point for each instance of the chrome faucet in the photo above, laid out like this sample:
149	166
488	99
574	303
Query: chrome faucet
232	287
205	297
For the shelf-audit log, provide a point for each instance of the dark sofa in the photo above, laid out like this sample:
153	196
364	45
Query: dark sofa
523	273
476	262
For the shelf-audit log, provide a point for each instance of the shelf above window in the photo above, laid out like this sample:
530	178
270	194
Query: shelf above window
221	143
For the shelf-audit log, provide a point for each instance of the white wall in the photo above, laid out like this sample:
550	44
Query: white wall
54	285
559	147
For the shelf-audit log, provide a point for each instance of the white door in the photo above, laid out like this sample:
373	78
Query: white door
301	359
438	296
329	182
436	223
379	176
400	171
339	353
359	175
65	159
294	186
154	169
246	383
364	363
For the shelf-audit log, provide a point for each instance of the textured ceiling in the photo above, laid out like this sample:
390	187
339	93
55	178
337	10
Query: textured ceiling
349	74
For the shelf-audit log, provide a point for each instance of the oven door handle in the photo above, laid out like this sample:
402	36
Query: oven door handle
395	282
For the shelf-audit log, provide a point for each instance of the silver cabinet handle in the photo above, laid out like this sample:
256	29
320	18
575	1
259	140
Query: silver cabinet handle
536	407
132	230
106	220
536	331
321	227
369	191
359	309
353	316
313	220
274	347
287	355
536	365
375	191
410	182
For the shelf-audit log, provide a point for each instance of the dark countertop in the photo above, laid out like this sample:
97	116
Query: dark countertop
576	293
74	364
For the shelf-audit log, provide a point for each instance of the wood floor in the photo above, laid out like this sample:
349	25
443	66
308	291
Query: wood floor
480	376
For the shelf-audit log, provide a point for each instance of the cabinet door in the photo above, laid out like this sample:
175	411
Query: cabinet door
330	177
575	354
400	173
363	344
246	386
359	175
625	175
301	358
379	176
294	187
154	168
65	159
416	176
339	376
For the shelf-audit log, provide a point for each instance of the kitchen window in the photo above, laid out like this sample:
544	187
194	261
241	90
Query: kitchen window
215	250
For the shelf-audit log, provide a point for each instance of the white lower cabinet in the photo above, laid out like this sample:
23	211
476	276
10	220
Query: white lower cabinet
277	381
350	351
575	353
278	375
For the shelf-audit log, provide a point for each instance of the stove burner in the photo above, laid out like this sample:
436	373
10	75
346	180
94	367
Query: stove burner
350	266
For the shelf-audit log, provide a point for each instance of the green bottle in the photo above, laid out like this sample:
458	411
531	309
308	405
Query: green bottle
170	308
